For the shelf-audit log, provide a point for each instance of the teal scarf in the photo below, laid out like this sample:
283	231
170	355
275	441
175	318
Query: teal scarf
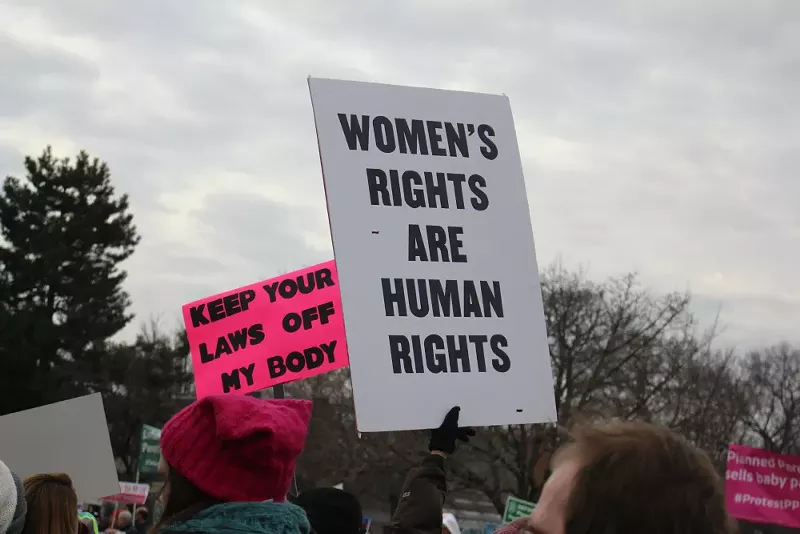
245	518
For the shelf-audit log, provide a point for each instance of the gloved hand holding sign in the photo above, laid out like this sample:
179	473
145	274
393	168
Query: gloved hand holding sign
443	439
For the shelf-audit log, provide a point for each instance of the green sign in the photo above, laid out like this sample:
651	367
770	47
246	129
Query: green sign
516	508
149	449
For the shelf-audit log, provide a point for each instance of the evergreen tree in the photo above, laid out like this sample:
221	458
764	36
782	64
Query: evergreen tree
63	235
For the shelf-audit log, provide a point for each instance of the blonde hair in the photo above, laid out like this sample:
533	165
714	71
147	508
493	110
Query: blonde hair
52	504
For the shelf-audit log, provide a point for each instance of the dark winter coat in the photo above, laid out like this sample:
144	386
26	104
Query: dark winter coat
419	510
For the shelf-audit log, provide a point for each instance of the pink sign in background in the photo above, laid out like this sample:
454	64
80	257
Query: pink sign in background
130	493
762	486
271	332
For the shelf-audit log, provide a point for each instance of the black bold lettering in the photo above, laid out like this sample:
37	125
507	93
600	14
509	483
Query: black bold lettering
271	290
457	179
205	356
436	188
479	342
400	352
216	310
324	278
256	333
397	191
329	349
501	363
472	304
411	139
325	311
378	188
222	347
196	313
276	367
412	190
458	352
417	297
231	381
445	300
238	339
309	316
416	349
456	139
305	284
435	138
437	243
484	133
314	357
416	244
394	296
231	303
384	134
247	373
287	288
492	299
454	234
480	200
295	361
436	361
292	322
246	297
356	135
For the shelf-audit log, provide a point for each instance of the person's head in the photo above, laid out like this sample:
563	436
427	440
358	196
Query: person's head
629	478
230	448
450	524
331	511
12	502
124	519
142	515
52	504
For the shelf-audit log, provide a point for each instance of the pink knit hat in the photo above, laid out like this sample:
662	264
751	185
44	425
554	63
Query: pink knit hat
237	448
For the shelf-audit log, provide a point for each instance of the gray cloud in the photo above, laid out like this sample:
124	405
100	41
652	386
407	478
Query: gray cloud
656	136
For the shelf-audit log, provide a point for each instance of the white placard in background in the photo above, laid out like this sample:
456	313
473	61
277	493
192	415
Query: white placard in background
66	437
434	248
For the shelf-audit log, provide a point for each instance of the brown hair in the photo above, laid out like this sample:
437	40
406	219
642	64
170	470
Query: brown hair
640	478
52	505
183	500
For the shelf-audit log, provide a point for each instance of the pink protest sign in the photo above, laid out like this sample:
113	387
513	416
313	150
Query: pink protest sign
130	493
276	331
762	486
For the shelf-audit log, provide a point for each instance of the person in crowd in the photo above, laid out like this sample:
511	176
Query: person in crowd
142	520
52	504
108	514
629	478
124	522
12	502
88	519
419	510
331	511
229	462
450	524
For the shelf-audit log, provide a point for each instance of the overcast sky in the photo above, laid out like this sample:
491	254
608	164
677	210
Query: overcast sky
657	136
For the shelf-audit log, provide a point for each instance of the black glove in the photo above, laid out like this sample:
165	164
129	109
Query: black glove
444	438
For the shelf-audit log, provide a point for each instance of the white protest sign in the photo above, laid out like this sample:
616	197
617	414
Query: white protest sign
66	437
434	248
